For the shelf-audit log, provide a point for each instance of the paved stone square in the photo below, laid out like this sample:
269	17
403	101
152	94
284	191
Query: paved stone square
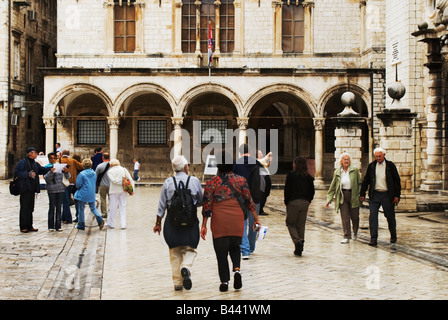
133	264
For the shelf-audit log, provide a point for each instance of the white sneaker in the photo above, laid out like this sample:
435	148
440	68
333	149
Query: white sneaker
345	240
245	257
355	237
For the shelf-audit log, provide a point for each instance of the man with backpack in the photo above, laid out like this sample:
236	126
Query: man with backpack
180	197
249	167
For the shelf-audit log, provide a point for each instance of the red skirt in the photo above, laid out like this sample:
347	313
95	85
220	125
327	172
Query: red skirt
227	219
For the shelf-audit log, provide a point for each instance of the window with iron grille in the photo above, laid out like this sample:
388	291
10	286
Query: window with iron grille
213	131
91	131
152	132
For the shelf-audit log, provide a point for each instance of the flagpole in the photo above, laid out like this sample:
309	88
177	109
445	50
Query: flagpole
210	51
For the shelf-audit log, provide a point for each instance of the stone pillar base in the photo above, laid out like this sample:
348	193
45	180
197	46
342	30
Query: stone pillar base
408	203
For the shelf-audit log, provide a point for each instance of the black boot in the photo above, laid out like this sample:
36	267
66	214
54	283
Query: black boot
299	248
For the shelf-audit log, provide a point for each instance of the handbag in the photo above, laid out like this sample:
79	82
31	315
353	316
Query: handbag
239	197
18	186
127	185
65	181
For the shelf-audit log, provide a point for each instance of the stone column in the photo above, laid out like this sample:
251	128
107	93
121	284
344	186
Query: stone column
396	139
113	127
434	133
49	135
238	27
277	6
242	126
319	124
139	40
177	32
217	27
177	147
109	38
198	28
348	132
434	109
308	6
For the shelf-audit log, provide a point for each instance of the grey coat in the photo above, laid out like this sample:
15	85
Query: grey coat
54	181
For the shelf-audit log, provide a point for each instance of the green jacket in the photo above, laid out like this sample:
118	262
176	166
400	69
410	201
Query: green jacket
335	191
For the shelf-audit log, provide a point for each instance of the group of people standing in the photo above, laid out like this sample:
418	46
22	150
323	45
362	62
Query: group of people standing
76	178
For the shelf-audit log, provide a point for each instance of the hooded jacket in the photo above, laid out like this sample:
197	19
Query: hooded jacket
85	186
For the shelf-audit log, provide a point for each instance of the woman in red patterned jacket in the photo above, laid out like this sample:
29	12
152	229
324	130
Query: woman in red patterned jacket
227	218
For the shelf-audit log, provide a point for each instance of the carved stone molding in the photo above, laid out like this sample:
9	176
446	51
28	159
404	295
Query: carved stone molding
177	122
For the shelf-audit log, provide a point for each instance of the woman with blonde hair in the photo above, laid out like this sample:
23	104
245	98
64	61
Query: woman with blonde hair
85	194
117	196
344	189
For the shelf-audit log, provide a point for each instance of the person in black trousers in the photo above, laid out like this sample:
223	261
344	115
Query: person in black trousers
384	184
298	194
29	170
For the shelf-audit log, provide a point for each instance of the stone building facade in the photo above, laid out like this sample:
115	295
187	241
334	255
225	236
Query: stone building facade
130	73
28	42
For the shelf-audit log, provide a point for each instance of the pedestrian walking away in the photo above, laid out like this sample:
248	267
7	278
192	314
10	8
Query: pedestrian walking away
103	183
298	194
56	192
117	196
182	241
249	168
136	169
222	205
344	190
85	194
383	181
74	167
97	158
28	171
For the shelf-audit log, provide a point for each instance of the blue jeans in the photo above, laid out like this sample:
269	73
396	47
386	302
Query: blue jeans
249	235
136	174
80	206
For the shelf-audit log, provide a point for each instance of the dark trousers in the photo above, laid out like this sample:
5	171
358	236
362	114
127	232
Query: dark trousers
381	199
26	210
54	210
66	213
225	246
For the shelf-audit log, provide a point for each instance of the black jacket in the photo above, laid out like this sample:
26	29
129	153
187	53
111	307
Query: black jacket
298	187
392	180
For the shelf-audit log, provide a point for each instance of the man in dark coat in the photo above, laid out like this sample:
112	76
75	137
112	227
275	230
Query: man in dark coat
384	184
29	170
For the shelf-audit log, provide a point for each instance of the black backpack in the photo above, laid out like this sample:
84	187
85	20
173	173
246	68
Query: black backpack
182	211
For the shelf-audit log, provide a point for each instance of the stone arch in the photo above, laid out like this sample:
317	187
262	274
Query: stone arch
203	88
358	90
296	91
77	89
144	88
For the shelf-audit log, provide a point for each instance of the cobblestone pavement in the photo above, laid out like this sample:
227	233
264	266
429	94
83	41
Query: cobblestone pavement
133	264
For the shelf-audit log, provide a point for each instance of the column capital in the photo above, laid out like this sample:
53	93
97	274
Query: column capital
178	122
49	123
319	123
242	122
113	122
